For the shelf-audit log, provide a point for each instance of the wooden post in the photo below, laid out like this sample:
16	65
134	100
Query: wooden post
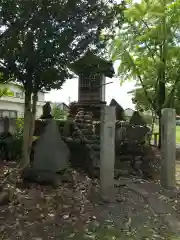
107	153
168	148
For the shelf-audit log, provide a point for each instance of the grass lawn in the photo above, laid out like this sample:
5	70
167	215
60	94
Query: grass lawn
156	129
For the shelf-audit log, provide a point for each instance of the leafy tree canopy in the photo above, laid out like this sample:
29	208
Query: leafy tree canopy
38	41
148	49
58	113
40	38
142	104
4	91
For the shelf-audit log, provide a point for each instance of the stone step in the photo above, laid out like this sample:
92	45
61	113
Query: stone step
138	189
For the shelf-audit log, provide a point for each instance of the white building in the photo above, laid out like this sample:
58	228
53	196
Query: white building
60	105
13	106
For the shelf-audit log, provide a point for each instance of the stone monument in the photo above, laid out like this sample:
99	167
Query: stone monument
51	152
137	119
119	110
46	111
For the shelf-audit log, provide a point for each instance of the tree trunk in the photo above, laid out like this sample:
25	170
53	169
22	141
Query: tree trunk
25	160
160	137
161	101
163	69
33	117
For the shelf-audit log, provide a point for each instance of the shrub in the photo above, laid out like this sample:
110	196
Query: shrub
148	119
18	138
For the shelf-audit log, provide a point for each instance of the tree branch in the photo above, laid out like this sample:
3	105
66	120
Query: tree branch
141	81
170	95
149	29
138	33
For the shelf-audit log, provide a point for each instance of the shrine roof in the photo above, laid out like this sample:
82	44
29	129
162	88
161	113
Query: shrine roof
93	63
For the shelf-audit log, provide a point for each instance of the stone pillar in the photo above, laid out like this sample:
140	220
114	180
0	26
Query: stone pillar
168	148
107	153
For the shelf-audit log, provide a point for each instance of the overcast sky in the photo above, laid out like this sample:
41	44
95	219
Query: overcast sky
69	91
113	90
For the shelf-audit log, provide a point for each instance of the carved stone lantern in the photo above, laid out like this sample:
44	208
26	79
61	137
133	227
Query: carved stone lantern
92	71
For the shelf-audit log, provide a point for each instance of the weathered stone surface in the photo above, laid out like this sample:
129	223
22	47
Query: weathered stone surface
119	110
41	177
138	189
107	152
137	119
168	148
51	152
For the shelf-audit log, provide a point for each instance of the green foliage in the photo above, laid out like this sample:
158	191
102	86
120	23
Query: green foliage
42	38
148	49
142	104
19	128
18	138
4	91
58	113
148	119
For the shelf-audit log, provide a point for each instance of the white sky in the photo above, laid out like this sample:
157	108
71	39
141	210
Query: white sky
69	92
114	90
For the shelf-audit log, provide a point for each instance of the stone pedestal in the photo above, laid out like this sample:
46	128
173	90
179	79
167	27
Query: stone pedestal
94	107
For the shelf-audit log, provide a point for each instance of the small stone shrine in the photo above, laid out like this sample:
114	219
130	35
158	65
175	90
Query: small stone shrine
92	71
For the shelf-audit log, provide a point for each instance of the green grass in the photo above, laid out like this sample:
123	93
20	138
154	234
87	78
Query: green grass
156	129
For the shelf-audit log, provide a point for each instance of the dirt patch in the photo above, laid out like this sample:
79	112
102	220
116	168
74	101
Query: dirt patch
72	211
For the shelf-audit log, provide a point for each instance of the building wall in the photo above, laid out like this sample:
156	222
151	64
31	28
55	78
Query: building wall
15	103
61	106
103	89
18	107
